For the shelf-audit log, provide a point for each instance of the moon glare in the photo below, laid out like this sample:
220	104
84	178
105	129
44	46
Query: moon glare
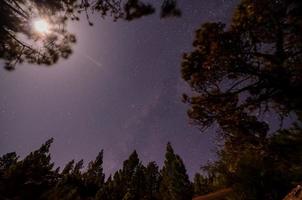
41	26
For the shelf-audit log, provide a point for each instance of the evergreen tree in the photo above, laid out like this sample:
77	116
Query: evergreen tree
70	184
133	178
94	177
251	68
153	179
107	192
175	184
34	178
116	188
7	161
127	183
201	185
30	177
260	172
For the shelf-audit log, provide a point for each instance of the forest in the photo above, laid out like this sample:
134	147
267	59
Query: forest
237	73
34	177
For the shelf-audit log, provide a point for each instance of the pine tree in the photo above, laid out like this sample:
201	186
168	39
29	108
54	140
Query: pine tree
70	185
133	178
241	72
30	177
267	172
6	162
118	186
175	184
107	191
94	177
153	179
137	184
201	185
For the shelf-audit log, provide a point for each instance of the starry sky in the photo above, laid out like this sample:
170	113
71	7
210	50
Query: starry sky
119	91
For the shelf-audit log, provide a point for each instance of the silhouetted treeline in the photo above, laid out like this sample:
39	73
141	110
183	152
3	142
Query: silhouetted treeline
34	177
265	171
239	74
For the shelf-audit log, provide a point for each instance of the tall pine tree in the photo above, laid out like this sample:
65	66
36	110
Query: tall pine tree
94	177
133	176
201	184
175	184
153	179
30	177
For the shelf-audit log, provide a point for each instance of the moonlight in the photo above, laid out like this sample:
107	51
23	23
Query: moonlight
41	26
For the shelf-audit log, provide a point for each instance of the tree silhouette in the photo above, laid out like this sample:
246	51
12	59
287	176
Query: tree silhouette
169	9
153	179
30	177
94	177
175	184
267	171
252	67
201	185
239	73
133	176
20	43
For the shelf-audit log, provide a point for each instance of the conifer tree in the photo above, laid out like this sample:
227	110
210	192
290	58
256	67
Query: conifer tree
267	172
117	186
241	72
6	162
153	179
175	184
133	178
30	177
106	192
94	177
70	186
201	185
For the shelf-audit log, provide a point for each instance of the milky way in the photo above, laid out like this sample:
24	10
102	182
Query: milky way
119	91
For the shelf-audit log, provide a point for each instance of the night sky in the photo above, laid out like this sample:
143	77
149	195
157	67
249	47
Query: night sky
119	91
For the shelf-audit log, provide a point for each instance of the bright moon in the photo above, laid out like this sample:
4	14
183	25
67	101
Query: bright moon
41	26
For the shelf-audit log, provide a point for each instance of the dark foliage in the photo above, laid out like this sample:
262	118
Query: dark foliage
29	178
267	171
20	43
34	178
169	9
175	184
239	73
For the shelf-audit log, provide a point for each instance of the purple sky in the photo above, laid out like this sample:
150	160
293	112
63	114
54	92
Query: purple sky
119	91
